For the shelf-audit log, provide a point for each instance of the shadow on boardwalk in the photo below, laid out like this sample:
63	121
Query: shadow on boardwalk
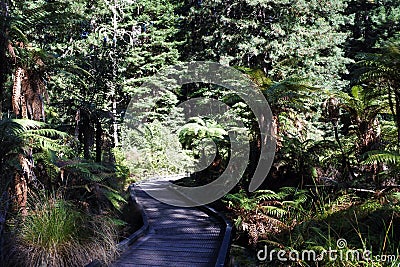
176	236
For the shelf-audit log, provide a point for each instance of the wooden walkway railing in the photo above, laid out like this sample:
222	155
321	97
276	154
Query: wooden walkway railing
175	236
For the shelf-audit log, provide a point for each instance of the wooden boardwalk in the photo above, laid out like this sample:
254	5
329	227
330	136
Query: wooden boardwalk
176	236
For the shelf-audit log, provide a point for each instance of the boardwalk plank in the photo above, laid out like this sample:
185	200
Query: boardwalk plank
177	236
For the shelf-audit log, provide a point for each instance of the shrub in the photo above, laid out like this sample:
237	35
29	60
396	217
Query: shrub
56	234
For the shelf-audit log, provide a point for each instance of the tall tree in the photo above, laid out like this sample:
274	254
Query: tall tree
375	22
118	44
23	26
4	46
283	38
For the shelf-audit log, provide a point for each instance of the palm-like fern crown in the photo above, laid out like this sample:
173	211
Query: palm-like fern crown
381	67
30	62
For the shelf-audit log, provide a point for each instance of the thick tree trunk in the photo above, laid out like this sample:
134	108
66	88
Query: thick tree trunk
87	140
85	131
21	185
21	193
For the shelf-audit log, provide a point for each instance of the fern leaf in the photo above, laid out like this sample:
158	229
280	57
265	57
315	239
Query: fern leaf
382	157
274	211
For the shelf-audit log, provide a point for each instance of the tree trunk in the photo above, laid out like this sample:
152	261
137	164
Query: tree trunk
346	163
397	104
21	193
4	68
114	73
87	140
115	124
99	135
21	185
85	131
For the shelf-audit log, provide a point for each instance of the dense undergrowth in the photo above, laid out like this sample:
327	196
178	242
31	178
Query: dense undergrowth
56	233
265	221
59	210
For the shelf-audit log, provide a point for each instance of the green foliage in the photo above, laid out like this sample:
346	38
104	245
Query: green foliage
283	38
364	108
122	172
89	171
57	234
49	146
381	67
375	23
27	138
98	181
197	128
91	56
193	134
365	225
154	150
265	209
380	72
52	226
383	157
22	133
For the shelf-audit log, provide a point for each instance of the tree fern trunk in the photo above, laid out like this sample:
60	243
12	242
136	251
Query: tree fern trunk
21	193
16	93
21	185
346	162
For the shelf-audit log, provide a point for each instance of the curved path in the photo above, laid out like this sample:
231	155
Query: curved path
176	236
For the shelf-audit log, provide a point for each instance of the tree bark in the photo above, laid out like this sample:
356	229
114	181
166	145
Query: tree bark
397	105
114	73
99	135
21	185
4	67
346	162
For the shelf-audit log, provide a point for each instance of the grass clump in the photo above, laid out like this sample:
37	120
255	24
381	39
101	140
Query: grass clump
57	234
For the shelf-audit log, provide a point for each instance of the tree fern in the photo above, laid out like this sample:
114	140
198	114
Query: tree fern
96	179
381	71
266	209
197	129
377	156
89	171
18	135
48	159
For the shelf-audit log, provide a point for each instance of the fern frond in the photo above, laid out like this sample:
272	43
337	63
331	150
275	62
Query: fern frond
88	170
274	211
29	124
267	195
50	133
115	198
374	157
